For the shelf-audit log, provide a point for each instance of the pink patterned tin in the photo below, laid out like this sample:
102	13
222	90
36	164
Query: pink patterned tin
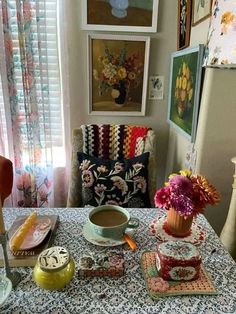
178	260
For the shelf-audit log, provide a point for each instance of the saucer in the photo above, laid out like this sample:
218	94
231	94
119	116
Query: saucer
5	288
159	229
94	238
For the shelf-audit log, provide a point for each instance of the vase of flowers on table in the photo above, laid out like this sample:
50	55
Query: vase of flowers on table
184	196
118	74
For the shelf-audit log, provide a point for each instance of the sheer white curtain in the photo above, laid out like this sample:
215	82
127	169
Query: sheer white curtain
32	96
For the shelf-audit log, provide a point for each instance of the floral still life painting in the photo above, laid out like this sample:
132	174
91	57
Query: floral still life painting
118	75
184	90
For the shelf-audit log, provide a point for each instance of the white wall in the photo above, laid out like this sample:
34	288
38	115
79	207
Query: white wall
216	142
162	44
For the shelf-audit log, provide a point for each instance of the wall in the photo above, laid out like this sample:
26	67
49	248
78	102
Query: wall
215	141
171	157
162	44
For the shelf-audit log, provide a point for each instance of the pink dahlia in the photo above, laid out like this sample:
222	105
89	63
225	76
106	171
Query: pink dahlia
162	198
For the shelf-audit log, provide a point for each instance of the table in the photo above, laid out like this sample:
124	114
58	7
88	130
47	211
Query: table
126	294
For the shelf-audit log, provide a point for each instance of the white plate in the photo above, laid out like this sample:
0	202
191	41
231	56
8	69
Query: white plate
5	288
92	237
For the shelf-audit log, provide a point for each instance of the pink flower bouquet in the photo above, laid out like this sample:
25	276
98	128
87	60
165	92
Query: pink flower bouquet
189	194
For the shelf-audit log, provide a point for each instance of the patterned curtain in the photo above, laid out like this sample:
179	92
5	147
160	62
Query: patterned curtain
30	128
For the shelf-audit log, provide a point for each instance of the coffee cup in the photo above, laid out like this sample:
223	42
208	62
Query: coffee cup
111	221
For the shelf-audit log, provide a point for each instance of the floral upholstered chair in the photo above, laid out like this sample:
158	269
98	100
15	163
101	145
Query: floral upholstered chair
112	164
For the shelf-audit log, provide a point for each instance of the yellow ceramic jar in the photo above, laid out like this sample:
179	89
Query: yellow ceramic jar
54	268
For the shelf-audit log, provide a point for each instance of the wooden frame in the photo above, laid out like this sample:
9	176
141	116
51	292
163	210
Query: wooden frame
99	15
201	11
184	90
118	72
183	24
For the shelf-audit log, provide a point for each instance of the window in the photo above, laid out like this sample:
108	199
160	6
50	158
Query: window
46	69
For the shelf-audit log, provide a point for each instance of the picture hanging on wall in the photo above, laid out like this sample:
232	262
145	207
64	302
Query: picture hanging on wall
120	15
220	49
184	90
183	23
201	11
118	70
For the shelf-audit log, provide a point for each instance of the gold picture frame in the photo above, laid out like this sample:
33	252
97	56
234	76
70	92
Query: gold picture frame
183	23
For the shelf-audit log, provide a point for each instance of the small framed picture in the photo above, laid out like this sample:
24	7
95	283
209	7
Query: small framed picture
183	23
120	15
184	90
201	11
118	71
156	87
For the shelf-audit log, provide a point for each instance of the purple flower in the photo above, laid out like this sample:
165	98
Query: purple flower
181	185
183	204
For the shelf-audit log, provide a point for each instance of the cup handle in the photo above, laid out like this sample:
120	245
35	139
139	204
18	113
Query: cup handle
133	223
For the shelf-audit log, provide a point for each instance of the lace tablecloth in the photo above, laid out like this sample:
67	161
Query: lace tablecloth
126	294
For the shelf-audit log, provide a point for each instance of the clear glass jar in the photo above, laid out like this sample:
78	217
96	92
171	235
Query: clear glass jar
54	268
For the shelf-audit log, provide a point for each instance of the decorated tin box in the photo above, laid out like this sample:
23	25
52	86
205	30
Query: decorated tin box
101	264
178	260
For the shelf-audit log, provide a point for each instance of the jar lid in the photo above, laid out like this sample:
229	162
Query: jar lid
53	259
179	250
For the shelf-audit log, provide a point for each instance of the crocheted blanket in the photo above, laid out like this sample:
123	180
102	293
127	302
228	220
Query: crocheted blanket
113	141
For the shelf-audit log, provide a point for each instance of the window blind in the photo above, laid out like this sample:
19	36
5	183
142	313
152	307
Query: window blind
47	73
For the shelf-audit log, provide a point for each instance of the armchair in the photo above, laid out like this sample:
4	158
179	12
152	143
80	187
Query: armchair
111	142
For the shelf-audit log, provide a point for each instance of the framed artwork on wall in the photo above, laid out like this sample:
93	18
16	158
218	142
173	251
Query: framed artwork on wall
120	15
183	23
184	90
221	44
118	72
201	11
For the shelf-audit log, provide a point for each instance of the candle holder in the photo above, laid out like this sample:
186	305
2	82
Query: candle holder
14	276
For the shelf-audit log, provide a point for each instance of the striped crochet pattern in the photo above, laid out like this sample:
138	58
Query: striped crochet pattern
113	141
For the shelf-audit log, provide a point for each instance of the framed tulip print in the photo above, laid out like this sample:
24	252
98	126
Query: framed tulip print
118	71
183	23
120	15
184	90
